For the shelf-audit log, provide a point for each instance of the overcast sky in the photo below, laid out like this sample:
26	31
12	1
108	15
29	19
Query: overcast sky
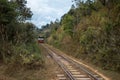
45	11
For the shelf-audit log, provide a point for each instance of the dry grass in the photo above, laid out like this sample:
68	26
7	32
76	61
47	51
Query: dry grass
46	72
110	75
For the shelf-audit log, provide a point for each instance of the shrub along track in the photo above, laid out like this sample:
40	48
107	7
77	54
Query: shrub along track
72	69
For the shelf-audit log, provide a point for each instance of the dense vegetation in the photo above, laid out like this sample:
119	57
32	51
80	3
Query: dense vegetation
17	37
89	31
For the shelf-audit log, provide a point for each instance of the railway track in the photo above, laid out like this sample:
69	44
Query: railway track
72	69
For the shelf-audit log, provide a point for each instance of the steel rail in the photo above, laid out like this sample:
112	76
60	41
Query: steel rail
78	65
71	61
61	64
82	68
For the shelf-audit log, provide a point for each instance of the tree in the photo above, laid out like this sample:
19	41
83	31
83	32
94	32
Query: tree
67	24
12	29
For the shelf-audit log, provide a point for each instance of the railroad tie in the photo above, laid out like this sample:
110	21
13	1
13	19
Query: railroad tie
73	70
79	76
75	73
83	79
61	77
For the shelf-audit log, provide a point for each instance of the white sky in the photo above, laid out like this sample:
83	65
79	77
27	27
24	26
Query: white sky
45	11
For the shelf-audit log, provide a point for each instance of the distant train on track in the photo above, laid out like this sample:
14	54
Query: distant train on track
40	39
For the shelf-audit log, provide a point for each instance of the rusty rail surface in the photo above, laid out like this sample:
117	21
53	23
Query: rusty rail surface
60	59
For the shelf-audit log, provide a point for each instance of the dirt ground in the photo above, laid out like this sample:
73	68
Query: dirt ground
47	72
108	75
